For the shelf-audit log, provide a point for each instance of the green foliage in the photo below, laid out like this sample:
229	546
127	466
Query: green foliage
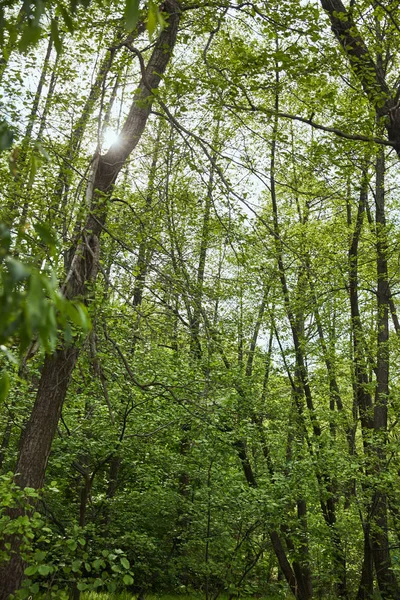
6	136
218	393
31	304
131	14
61	562
25	525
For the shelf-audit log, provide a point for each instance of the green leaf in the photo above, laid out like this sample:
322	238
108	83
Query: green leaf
72	545
125	563
67	19
34	165
6	136
31	570
34	308
40	555
131	14
82	586
29	37
46	234
128	580
4	385
152	18
78	314
98	563
76	565
17	270
45	569
84	316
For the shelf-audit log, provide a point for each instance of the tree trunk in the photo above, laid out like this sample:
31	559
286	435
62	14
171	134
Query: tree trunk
83	267
366	587
379	526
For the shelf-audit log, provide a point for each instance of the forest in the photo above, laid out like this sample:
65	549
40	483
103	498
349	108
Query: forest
199	281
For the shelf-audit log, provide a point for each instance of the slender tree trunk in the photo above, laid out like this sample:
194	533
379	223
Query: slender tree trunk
49	98
362	397
19	187
195	341
302	388
379	526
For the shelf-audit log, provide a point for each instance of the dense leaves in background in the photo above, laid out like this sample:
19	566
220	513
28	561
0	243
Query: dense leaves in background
199	272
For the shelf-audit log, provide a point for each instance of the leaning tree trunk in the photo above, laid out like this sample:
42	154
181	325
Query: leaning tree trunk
83	267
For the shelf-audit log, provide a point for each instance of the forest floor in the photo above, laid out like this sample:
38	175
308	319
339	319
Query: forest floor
129	596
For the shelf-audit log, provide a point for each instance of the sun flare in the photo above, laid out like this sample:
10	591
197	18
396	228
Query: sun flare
110	138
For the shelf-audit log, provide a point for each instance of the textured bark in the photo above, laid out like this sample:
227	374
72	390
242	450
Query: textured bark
36	440
83	267
363	400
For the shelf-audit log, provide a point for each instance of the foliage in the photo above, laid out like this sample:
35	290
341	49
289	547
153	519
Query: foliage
27	523
31	304
59	563
233	410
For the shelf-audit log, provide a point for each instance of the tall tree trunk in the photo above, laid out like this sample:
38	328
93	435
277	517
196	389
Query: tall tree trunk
362	397
379	526
49	98
366	586
83	267
204	241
